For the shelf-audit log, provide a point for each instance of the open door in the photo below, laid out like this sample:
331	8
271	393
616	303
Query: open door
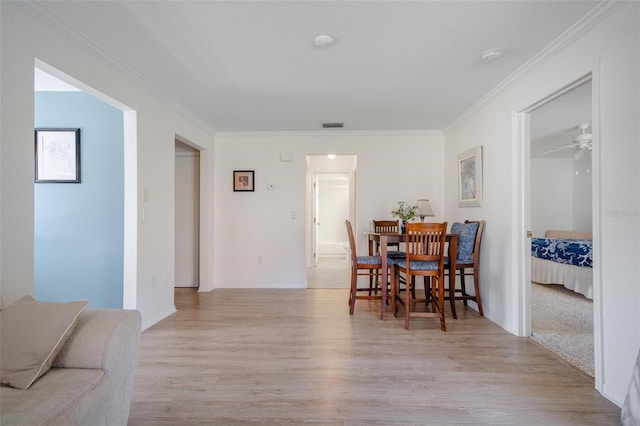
314	209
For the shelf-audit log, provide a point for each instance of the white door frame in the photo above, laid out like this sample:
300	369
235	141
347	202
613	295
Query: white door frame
521	222
312	171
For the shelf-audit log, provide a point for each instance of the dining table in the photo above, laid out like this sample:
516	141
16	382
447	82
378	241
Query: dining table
378	245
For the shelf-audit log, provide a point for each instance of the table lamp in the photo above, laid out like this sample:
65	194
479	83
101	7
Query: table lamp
424	209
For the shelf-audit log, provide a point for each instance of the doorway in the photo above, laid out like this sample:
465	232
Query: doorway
102	199
523	134
561	211
332	200
187	216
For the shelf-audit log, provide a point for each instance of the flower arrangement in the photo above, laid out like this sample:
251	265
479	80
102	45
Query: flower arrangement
404	211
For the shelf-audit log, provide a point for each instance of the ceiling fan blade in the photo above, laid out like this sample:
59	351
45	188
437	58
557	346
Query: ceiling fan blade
556	149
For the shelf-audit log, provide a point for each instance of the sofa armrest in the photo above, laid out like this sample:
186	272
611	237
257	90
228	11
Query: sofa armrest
106	339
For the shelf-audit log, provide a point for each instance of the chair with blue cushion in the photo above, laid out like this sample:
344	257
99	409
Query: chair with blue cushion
425	247
386	226
467	263
369	266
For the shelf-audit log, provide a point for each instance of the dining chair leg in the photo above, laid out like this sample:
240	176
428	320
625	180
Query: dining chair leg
352	292
413	287
463	287
408	303
432	294
452	294
425	283
476	284
440	279
393	277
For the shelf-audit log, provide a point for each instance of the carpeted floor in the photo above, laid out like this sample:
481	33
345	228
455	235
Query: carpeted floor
562	321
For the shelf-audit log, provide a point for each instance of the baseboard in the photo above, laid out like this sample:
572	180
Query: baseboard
146	323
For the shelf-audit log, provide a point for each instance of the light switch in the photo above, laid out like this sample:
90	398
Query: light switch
286	157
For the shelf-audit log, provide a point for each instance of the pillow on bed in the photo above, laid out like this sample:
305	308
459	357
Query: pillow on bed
568	235
32	334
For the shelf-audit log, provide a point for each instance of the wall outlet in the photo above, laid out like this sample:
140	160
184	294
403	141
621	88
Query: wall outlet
259	260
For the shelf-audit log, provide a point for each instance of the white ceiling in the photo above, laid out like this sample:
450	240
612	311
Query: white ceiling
252	65
556	123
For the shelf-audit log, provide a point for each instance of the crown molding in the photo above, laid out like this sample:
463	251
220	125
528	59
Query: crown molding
566	39
58	25
325	133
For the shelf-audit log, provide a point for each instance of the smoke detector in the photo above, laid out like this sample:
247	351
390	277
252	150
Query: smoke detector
323	40
492	55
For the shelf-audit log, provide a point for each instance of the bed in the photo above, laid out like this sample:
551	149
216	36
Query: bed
565	258
631	407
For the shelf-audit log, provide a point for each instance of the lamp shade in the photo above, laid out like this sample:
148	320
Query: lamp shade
424	208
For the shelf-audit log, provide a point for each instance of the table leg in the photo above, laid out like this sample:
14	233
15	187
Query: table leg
383	274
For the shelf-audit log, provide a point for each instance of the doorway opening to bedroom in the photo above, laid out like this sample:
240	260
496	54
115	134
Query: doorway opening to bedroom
561	214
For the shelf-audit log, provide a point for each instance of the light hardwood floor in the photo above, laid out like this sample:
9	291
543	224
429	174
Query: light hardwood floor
293	357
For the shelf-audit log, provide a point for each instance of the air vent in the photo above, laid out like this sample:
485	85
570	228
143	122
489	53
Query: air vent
332	125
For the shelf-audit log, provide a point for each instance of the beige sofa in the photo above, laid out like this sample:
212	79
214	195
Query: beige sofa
91	379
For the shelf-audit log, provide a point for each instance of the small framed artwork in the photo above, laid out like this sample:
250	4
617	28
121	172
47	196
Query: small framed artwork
57	155
243	181
470	178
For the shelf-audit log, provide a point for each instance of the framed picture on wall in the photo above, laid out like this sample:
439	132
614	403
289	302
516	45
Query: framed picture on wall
470	177
243	180
57	155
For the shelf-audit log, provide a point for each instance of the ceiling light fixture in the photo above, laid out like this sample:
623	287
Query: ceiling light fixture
492	55
331	156
323	40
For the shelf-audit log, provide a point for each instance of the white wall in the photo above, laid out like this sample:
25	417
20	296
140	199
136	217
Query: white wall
609	50
551	195
25	38
391	167
583	194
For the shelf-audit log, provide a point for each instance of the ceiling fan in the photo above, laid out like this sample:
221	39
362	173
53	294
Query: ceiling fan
581	142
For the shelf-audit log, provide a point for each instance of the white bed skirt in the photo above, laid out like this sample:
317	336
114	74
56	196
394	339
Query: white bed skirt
631	407
576	278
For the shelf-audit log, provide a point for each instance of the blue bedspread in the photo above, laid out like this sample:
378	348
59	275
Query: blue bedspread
571	252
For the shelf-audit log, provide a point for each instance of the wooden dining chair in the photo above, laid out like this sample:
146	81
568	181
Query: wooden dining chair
425	248
386	226
467	263
361	266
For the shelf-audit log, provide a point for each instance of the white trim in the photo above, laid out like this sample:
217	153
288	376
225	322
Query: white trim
131	209
596	230
521	272
314	133
157	318
566	39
